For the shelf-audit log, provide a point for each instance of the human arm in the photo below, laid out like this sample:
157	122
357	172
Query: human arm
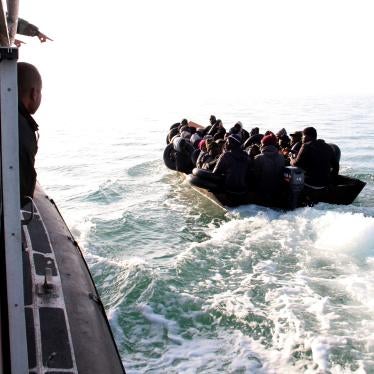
300	158
28	29
209	165
18	42
221	165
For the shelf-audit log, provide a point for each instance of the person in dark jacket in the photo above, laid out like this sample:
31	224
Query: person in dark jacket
317	159
214	150
29	98
244	134
296	143
233	165
268	171
183	155
212	122
216	128
212	119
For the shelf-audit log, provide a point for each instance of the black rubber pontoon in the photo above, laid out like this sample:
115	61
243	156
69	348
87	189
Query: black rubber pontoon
343	191
67	328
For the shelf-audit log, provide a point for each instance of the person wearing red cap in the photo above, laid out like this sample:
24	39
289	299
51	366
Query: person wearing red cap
268	171
270	139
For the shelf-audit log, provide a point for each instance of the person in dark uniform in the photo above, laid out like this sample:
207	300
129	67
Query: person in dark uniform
29	98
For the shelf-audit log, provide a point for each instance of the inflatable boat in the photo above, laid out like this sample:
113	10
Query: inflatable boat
179	155
343	191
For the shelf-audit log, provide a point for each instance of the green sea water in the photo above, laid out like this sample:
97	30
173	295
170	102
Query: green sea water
190	288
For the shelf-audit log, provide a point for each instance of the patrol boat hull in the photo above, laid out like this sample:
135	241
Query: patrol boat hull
67	328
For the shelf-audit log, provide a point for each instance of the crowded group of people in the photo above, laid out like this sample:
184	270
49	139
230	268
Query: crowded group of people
252	161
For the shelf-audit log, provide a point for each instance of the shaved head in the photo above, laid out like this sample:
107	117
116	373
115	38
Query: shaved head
29	86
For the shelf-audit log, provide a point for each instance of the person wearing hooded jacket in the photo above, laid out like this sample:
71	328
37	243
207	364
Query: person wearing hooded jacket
244	134
233	164
268	171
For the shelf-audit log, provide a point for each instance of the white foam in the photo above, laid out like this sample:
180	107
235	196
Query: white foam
227	353
345	232
158	319
128	263
232	303
360	287
303	319
320	352
113	316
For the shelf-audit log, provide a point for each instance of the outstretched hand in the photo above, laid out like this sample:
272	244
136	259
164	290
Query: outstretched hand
18	43
43	38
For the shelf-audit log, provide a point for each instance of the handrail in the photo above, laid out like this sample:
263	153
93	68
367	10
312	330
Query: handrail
12	245
13	6
4	34
8	22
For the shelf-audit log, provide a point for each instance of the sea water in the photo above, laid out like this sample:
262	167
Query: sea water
190	288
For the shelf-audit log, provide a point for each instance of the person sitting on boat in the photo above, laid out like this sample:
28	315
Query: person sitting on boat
220	135
233	164
216	128
282	135
295	143
198	143
212	122
254	138
254	131
253	151
185	132
204	154
172	133
221	144
196	137
220	130
214	151
235	131
317	159
268	171
244	134
284	148
29	98
183	155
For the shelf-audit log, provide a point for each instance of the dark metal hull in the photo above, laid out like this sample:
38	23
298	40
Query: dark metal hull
67	329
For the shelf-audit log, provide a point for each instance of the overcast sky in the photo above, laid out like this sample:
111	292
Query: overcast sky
170	50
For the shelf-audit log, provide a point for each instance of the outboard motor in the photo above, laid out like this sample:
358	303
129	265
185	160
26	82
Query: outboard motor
294	177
